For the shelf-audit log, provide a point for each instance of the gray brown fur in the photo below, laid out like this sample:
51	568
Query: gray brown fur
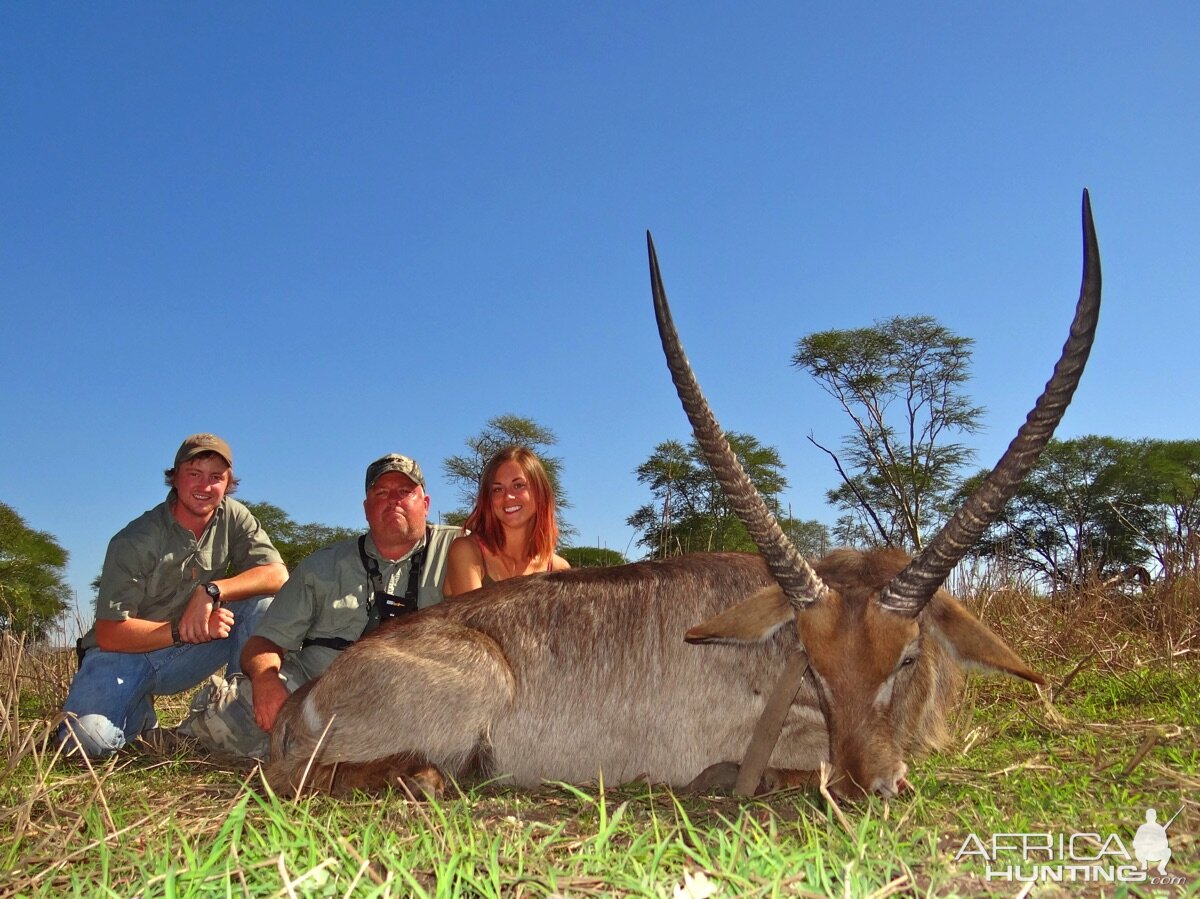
581	674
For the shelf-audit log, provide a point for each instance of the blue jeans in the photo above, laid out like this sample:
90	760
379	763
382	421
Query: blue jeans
112	695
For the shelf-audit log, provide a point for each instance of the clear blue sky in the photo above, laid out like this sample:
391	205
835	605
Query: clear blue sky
331	231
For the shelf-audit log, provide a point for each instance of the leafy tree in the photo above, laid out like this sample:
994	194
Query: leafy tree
1173	467
810	536
33	590
294	541
591	557
689	512
505	430
900	382
1082	515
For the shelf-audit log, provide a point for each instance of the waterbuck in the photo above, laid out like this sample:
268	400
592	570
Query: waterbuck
596	673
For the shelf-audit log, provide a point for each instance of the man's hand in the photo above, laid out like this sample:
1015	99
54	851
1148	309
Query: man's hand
200	622
220	623
194	622
261	661
269	697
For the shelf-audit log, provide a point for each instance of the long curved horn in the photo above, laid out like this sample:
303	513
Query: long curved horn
913	587
799	582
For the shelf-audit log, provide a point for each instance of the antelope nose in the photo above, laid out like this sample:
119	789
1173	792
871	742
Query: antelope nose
888	787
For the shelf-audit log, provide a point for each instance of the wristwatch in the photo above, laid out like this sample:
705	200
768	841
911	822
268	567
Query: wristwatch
175	638
213	591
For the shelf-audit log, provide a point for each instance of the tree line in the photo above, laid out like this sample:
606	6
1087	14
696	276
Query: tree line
1094	509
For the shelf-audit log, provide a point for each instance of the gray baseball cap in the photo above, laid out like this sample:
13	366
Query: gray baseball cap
395	462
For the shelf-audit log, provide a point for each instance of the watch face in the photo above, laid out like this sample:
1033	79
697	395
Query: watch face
213	590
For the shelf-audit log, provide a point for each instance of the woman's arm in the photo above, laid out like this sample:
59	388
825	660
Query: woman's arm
464	567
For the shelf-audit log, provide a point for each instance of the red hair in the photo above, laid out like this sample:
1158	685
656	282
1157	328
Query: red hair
483	523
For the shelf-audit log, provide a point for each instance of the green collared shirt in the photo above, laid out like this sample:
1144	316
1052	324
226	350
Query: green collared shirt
154	563
326	597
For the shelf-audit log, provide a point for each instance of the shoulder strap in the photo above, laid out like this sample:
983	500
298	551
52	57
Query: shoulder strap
338	643
414	572
371	566
375	589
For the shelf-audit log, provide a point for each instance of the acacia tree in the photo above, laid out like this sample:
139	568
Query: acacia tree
33	588
505	430
689	512
1085	513
1173	467
900	383
591	556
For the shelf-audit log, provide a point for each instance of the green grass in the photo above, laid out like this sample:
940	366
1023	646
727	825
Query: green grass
1120	736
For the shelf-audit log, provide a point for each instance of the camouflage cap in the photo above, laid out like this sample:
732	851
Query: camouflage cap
395	462
203	443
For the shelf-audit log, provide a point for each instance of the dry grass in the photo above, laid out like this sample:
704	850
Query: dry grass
1109	630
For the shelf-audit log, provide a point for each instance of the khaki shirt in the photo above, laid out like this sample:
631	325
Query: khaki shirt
154	563
326	596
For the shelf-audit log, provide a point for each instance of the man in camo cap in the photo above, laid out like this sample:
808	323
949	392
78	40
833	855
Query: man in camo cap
332	598
168	611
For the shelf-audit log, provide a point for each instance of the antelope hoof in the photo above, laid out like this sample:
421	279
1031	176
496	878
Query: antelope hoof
423	784
776	779
718	778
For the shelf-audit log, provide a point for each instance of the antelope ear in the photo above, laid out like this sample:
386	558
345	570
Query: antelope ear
752	620
973	643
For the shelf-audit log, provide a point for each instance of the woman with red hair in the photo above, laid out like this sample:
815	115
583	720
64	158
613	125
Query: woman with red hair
512	530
